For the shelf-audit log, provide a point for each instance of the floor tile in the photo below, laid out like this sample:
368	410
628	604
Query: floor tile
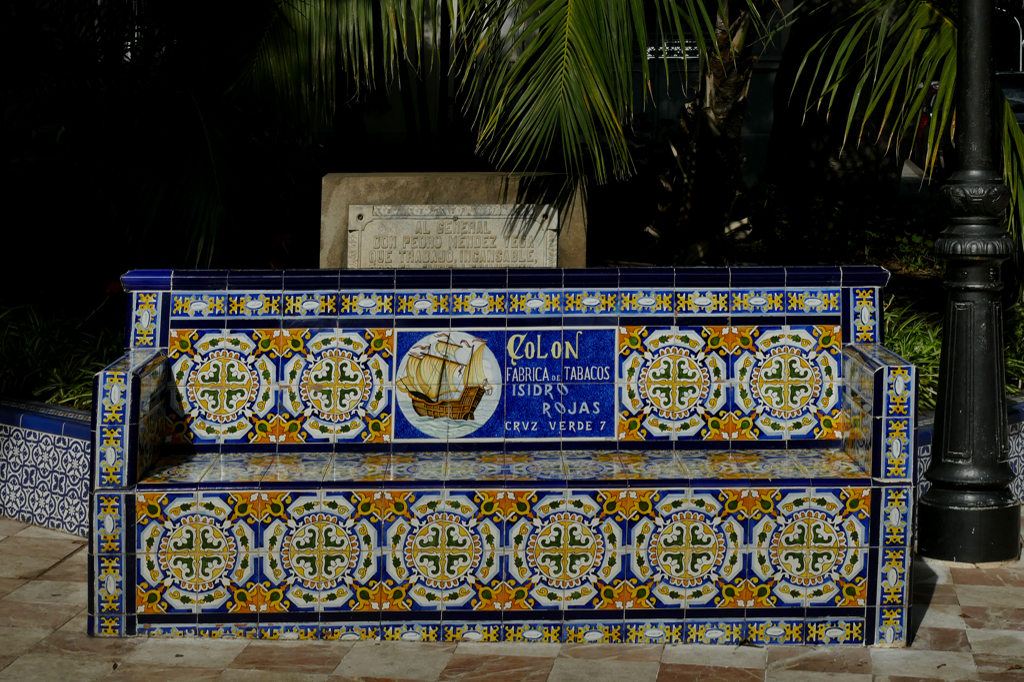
8	585
28	557
673	672
269	676
939	616
944	665
941	639
582	670
997	642
514	649
36	614
826	659
52	591
992	576
926	572
1000	667
74	568
811	676
45	668
714	655
990	595
396	660
300	657
17	641
10	526
48	534
471	668
993	618
130	672
619	652
72	639
187	653
934	593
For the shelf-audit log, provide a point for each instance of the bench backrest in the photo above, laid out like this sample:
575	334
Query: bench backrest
495	359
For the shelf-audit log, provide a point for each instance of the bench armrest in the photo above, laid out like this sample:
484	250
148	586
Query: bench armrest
881	402
129	412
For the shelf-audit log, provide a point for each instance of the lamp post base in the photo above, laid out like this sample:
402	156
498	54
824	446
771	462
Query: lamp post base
970	526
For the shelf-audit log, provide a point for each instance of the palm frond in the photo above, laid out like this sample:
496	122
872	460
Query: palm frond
889	52
311	51
559	74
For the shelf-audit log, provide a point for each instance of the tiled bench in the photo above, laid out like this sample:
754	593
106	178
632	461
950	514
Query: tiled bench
637	455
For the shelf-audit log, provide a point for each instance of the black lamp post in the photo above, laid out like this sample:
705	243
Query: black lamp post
969	513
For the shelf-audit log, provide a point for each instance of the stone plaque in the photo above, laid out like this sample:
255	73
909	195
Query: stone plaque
452	236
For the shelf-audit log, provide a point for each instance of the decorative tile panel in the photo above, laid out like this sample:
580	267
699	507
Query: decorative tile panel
865	315
112	424
702	301
262	304
788	381
813	301
191	306
892	626
372	304
146	309
539	303
811	546
337	388
835	631
687	549
758	301
424	304
674	383
319	549
197	553
478	303
44	479
314	304
646	302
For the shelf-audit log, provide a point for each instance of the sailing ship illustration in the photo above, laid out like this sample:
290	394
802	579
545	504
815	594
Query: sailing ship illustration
439	384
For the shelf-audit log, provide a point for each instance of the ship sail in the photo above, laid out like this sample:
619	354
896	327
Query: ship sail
475	375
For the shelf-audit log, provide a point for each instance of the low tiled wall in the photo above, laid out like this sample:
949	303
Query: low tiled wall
1016	424
44	466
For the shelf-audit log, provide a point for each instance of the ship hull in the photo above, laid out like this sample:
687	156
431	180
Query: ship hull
462	408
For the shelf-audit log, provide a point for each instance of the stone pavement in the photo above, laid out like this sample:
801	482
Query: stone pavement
969	624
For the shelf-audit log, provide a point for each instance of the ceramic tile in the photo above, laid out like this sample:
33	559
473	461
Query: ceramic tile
179	469
788	382
671	383
471	631
524	468
486	468
147	307
294	468
685	546
643	467
426	411
865	315
337	386
320	551
349	631
364	469
654	632
235	470
835	630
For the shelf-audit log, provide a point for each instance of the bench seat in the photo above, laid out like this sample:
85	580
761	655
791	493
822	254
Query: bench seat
705	455
567	468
